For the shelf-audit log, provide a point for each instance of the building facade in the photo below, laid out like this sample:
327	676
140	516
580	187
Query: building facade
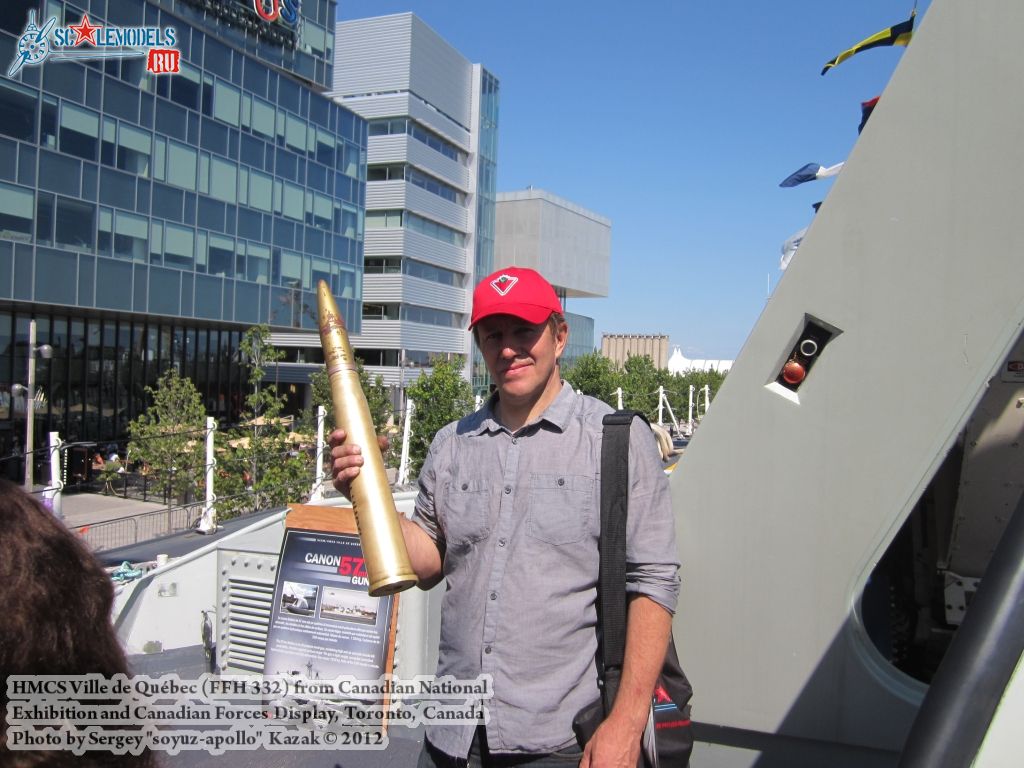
147	220
617	347
430	191
568	244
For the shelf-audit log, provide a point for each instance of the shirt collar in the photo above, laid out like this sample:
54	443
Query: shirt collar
557	413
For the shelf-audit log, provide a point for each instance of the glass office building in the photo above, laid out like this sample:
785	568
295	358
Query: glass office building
146	221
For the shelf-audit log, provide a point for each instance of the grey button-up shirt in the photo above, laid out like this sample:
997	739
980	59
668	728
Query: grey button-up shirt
517	519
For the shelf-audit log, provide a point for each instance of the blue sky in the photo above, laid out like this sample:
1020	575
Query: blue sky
676	120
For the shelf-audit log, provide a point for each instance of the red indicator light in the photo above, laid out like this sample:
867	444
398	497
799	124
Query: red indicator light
793	373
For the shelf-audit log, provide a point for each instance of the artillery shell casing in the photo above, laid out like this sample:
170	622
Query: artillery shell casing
387	560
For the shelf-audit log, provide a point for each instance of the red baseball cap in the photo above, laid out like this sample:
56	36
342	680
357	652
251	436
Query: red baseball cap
515	291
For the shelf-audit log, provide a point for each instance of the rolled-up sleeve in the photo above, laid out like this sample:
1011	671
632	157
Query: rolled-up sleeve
652	559
425	512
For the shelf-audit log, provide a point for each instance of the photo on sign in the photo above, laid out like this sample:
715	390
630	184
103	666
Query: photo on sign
341	604
298	598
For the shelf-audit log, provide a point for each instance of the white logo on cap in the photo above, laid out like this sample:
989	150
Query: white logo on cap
503	283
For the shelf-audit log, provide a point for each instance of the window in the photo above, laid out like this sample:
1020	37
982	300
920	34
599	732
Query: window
159	159
133	150
380	311
318	210
18	106
431	316
383	219
79	132
105	231
76	223
400	125
223	179
346	221
295	133
181	165
185	87
258	264
383	265
260	191
347	286
262	118
108	147
48	118
293	200
179	246
431	229
292	271
324	147
226	100
221	256
429	183
16	206
131	237
44	218
432	273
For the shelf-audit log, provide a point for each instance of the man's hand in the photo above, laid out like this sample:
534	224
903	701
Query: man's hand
347	459
615	744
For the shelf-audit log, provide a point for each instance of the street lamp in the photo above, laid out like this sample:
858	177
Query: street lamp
46	352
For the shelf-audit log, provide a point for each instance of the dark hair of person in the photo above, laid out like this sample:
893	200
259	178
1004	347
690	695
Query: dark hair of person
56	601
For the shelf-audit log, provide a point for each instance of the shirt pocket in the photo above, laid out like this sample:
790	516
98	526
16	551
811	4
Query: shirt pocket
560	508
466	512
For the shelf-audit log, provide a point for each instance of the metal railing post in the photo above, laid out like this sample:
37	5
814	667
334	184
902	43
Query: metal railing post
55	491
317	491
403	466
208	521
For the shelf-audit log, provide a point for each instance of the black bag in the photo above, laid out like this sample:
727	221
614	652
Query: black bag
668	738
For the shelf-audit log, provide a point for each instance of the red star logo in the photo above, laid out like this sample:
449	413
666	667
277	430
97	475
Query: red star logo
661	695
86	32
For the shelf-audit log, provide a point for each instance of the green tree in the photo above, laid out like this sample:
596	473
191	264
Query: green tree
595	375
259	466
440	397
378	400
169	437
640	385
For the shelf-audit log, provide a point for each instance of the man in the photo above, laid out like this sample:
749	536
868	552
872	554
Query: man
509	513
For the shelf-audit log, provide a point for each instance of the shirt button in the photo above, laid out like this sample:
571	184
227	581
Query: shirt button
494	595
561	481
465	486
515	441
508	489
487	649
502	542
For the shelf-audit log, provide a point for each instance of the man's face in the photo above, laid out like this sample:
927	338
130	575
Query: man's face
520	356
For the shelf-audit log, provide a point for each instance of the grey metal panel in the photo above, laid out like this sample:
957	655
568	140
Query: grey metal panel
396	334
437	208
373	55
393	242
444	168
440	75
292	339
454	132
785	503
414	290
393	195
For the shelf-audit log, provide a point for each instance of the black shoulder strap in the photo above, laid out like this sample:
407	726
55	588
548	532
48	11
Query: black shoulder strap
611	591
